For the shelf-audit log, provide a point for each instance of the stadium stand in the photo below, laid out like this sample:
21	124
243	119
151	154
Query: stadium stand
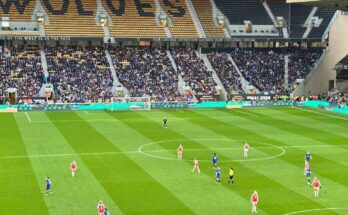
21	68
194	71
264	69
205	15
326	15
301	63
146	72
133	19
72	18
226	72
79	74
20	11
183	26
238	11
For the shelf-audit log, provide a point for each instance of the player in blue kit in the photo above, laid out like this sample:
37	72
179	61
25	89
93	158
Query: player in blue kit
218	175
308	157
48	185
214	160
308	174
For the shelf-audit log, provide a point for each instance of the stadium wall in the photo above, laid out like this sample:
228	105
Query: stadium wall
338	48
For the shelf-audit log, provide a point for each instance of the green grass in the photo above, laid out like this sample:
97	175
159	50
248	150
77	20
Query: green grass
152	181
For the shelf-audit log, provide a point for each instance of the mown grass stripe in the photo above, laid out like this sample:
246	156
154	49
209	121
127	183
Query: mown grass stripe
310	133
17	180
175	176
145	129
69	194
229	130
123	179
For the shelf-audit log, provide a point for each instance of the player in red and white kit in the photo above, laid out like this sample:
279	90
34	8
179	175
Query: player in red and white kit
101	208
196	166
180	151
73	168
246	150
254	200
316	185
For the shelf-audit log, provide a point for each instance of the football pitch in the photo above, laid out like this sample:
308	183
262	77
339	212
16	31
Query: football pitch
128	160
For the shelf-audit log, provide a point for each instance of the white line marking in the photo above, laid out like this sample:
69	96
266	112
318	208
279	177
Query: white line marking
28	117
181	111
318	209
282	150
160	150
86	112
137	119
329	115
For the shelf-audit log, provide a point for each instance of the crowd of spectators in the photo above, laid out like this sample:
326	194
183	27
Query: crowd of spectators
194	71
226	72
21	68
147	71
79	74
263	69
301	63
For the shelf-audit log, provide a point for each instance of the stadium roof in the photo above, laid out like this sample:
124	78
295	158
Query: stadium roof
336	4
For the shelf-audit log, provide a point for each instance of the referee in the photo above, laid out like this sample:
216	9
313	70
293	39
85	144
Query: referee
231	174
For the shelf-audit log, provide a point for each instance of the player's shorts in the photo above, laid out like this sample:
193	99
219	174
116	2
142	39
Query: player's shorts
308	175
48	187
73	169
316	188
254	203
246	150
231	177
218	178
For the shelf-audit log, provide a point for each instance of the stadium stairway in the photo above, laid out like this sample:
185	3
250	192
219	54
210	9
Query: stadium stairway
308	23
159	12
244	82
286	71
205	13
101	11
116	82
217	12
39	9
195	19
269	12
181	82
214	75
44	62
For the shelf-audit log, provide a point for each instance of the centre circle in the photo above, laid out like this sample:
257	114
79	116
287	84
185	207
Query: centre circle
202	150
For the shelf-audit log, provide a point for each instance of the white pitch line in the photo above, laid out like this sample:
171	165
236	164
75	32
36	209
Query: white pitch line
329	115
86	112
28	117
153	151
318	209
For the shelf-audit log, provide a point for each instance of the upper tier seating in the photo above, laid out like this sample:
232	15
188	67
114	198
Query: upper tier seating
17	12
136	20
72	18
299	14
238	11
79	74
326	15
21	70
179	13
205	14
